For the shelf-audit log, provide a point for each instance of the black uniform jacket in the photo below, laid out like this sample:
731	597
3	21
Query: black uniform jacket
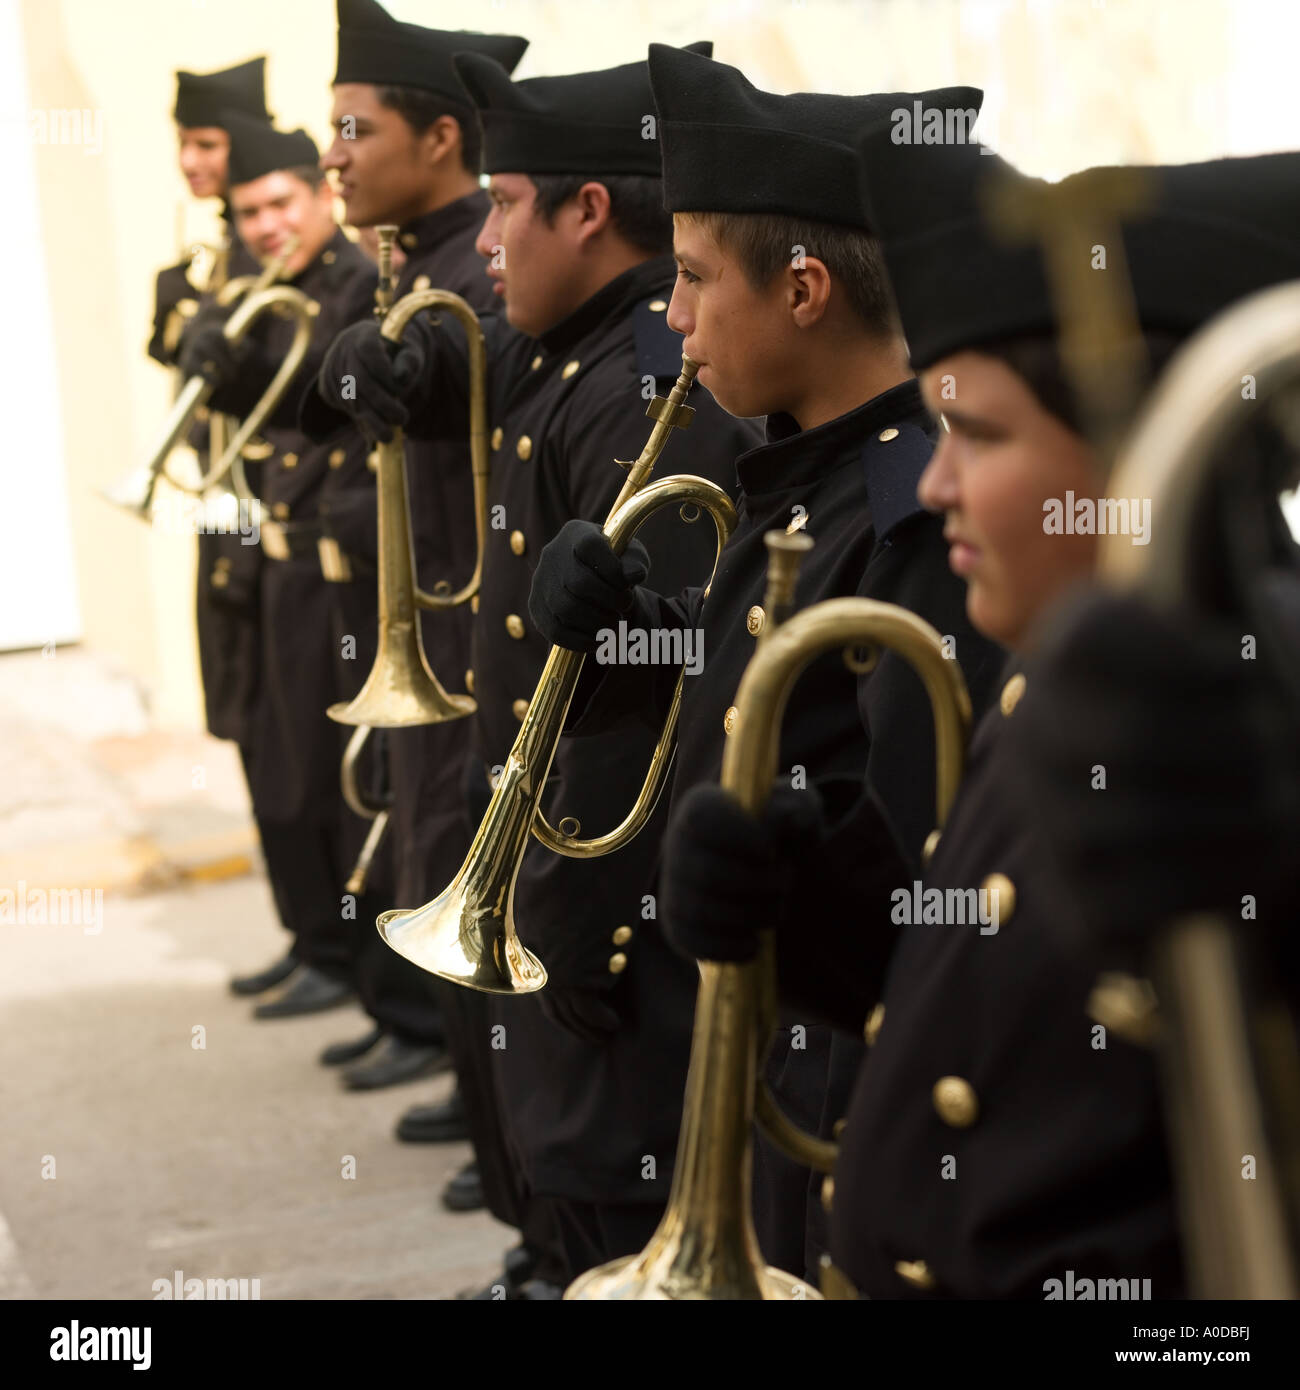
296	749
853	483
595	1122
998	1137
226	594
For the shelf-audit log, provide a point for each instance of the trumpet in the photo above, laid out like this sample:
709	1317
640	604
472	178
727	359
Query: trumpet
135	491
401	689
467	934
705	1246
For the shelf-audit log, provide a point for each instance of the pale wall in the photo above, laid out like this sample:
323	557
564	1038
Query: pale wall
1069	82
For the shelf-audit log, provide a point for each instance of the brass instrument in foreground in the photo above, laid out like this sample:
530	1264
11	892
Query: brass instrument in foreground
376	814
135	492
1227	1068
705	1247
401	689
467	934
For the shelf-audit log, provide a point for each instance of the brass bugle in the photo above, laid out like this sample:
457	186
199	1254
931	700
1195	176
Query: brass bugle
356	802
401	689
467	934
1225	1072
134	491
705	1246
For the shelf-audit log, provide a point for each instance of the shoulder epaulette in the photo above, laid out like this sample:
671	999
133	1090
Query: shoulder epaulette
894	460
658	348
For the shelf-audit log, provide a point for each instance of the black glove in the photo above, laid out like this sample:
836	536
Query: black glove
726	875
371	380
586	1013
580	585
1201	804
206	351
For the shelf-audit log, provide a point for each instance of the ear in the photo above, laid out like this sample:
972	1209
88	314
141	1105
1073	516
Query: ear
440	144
593	210
808	285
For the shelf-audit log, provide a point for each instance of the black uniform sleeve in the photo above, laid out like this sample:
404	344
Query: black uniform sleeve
171	288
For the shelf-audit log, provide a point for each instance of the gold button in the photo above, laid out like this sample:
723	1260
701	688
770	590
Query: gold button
518	542
473	604
536	362
1011	692
421	282
729	719
657	306
569	369
839	1127
222	562
755	619
1002	892
219	579
519	709
886	435
875	1020
828	1192
280	511
617	963
955	1100
928	849
202	413
187	308
915	1272
409	240
525	447
514	625
329	257
289	460
622	935
469	681
337	456
497	435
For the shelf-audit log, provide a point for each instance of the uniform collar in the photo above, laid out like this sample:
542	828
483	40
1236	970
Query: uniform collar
337	250
612	300
794	458
431	230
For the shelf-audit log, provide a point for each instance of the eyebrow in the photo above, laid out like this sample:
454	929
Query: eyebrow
962	421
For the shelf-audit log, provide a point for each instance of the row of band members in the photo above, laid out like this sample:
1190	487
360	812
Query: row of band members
880	367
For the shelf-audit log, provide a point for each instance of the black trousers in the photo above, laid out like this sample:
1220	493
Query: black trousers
593	1232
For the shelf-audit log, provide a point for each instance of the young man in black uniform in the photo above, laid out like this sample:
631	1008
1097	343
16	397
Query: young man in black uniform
783	300
278	191
406	151
593	1066
1001	1141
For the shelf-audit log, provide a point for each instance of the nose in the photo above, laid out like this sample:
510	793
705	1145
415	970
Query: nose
336	156
680	317
937	491
487	240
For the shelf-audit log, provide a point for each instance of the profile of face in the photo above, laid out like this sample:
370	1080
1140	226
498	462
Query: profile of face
269	210
204	150
743	338
1000	457
384	170
537	267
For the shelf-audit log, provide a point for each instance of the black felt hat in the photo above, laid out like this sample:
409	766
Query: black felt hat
202	98
583	123
1208	235
729	147
257	148
376	48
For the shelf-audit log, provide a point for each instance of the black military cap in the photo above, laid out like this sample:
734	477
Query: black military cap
729	147
1209	234
378	49
257	148
203	97
583	123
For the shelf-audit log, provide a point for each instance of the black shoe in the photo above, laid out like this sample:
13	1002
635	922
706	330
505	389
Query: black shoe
337	1053
520	1263
309	992
396	1061
434	1124
264	979
464	1192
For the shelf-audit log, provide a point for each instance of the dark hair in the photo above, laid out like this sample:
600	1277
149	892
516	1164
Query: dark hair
636	205
311	174
1036	358
764	243
419	109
